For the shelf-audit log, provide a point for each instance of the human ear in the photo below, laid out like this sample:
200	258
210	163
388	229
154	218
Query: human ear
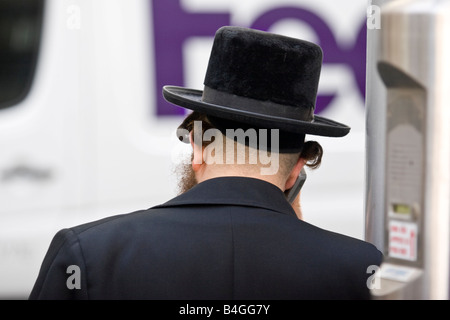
295	172
197	151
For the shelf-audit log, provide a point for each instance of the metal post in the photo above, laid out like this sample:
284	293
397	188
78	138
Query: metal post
408	148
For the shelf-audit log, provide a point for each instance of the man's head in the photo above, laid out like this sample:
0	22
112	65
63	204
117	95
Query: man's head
216	154
259	94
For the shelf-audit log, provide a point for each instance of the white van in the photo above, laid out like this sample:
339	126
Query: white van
85	133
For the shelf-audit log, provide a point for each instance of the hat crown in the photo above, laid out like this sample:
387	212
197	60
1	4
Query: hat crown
263	66
263	80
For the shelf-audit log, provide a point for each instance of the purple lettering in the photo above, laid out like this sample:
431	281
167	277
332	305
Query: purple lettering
354	57
172	26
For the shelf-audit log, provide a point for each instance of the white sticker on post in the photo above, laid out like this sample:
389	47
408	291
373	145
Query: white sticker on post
403	240
399	273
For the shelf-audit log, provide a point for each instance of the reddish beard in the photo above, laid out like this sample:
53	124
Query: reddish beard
186	176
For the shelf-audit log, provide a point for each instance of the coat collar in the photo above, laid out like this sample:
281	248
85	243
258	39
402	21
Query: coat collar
241	191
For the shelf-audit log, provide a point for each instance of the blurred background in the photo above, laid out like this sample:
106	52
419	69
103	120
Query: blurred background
85	132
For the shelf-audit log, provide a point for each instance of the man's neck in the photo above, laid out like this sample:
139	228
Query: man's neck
216	171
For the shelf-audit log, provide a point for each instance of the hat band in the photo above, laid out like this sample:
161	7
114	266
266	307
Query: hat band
268	108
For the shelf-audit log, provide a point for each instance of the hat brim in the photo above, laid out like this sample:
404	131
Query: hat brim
192	99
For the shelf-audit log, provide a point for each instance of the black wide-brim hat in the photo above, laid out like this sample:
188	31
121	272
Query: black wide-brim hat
260	79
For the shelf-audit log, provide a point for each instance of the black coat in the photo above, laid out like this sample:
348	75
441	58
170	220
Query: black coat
226	238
